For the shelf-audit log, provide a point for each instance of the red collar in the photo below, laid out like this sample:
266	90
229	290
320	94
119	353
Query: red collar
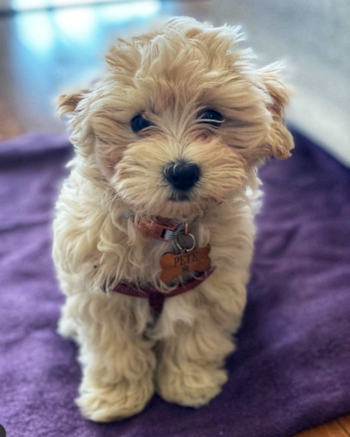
159	228
156	297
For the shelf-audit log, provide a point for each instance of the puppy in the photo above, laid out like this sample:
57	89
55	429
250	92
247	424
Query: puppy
154	230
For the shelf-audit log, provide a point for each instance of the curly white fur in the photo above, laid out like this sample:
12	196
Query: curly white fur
126	351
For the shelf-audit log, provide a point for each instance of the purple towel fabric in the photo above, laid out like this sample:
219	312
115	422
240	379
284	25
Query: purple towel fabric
292	366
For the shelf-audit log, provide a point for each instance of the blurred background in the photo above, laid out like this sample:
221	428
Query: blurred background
49	46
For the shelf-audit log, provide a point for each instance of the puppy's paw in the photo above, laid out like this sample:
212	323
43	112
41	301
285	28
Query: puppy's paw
193	387
115	402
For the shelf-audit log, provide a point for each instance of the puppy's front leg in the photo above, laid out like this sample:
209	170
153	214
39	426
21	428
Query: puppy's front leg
190	371
191	361
117	363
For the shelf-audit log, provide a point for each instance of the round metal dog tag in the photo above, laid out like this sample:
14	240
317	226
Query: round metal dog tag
185	241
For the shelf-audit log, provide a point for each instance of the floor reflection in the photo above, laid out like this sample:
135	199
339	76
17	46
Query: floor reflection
25	5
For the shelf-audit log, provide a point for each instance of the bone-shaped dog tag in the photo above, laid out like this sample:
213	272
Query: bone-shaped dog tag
196	260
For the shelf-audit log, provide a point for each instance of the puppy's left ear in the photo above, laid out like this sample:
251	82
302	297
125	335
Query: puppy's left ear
280	141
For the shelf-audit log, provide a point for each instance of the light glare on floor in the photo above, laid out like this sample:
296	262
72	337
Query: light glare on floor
20	5
37	31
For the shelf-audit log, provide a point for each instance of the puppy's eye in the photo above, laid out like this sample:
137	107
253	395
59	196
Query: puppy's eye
139	123
209	116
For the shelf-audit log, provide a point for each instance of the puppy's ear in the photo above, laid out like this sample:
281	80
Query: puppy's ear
67	103
280	141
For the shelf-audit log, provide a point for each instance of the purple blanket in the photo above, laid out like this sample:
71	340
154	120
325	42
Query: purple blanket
292	367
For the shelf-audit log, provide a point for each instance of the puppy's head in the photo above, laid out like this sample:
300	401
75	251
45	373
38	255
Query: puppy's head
181	119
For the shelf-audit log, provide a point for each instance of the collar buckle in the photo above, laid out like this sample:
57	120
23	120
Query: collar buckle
160	228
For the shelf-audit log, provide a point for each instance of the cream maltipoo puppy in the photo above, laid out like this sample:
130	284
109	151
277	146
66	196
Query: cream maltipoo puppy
154	230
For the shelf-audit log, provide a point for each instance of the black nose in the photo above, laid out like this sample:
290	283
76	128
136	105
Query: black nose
182	175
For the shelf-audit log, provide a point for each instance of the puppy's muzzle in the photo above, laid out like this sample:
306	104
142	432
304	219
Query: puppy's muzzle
182	175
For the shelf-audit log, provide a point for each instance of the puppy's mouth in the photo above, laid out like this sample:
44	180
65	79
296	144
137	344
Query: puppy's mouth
179	197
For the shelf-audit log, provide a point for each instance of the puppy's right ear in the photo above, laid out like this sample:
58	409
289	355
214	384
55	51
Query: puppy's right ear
67	103
280	141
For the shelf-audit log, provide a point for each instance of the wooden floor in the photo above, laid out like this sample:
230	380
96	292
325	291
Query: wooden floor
41	53
336	428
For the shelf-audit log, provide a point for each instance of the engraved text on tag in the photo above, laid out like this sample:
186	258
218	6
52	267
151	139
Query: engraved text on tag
196	260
